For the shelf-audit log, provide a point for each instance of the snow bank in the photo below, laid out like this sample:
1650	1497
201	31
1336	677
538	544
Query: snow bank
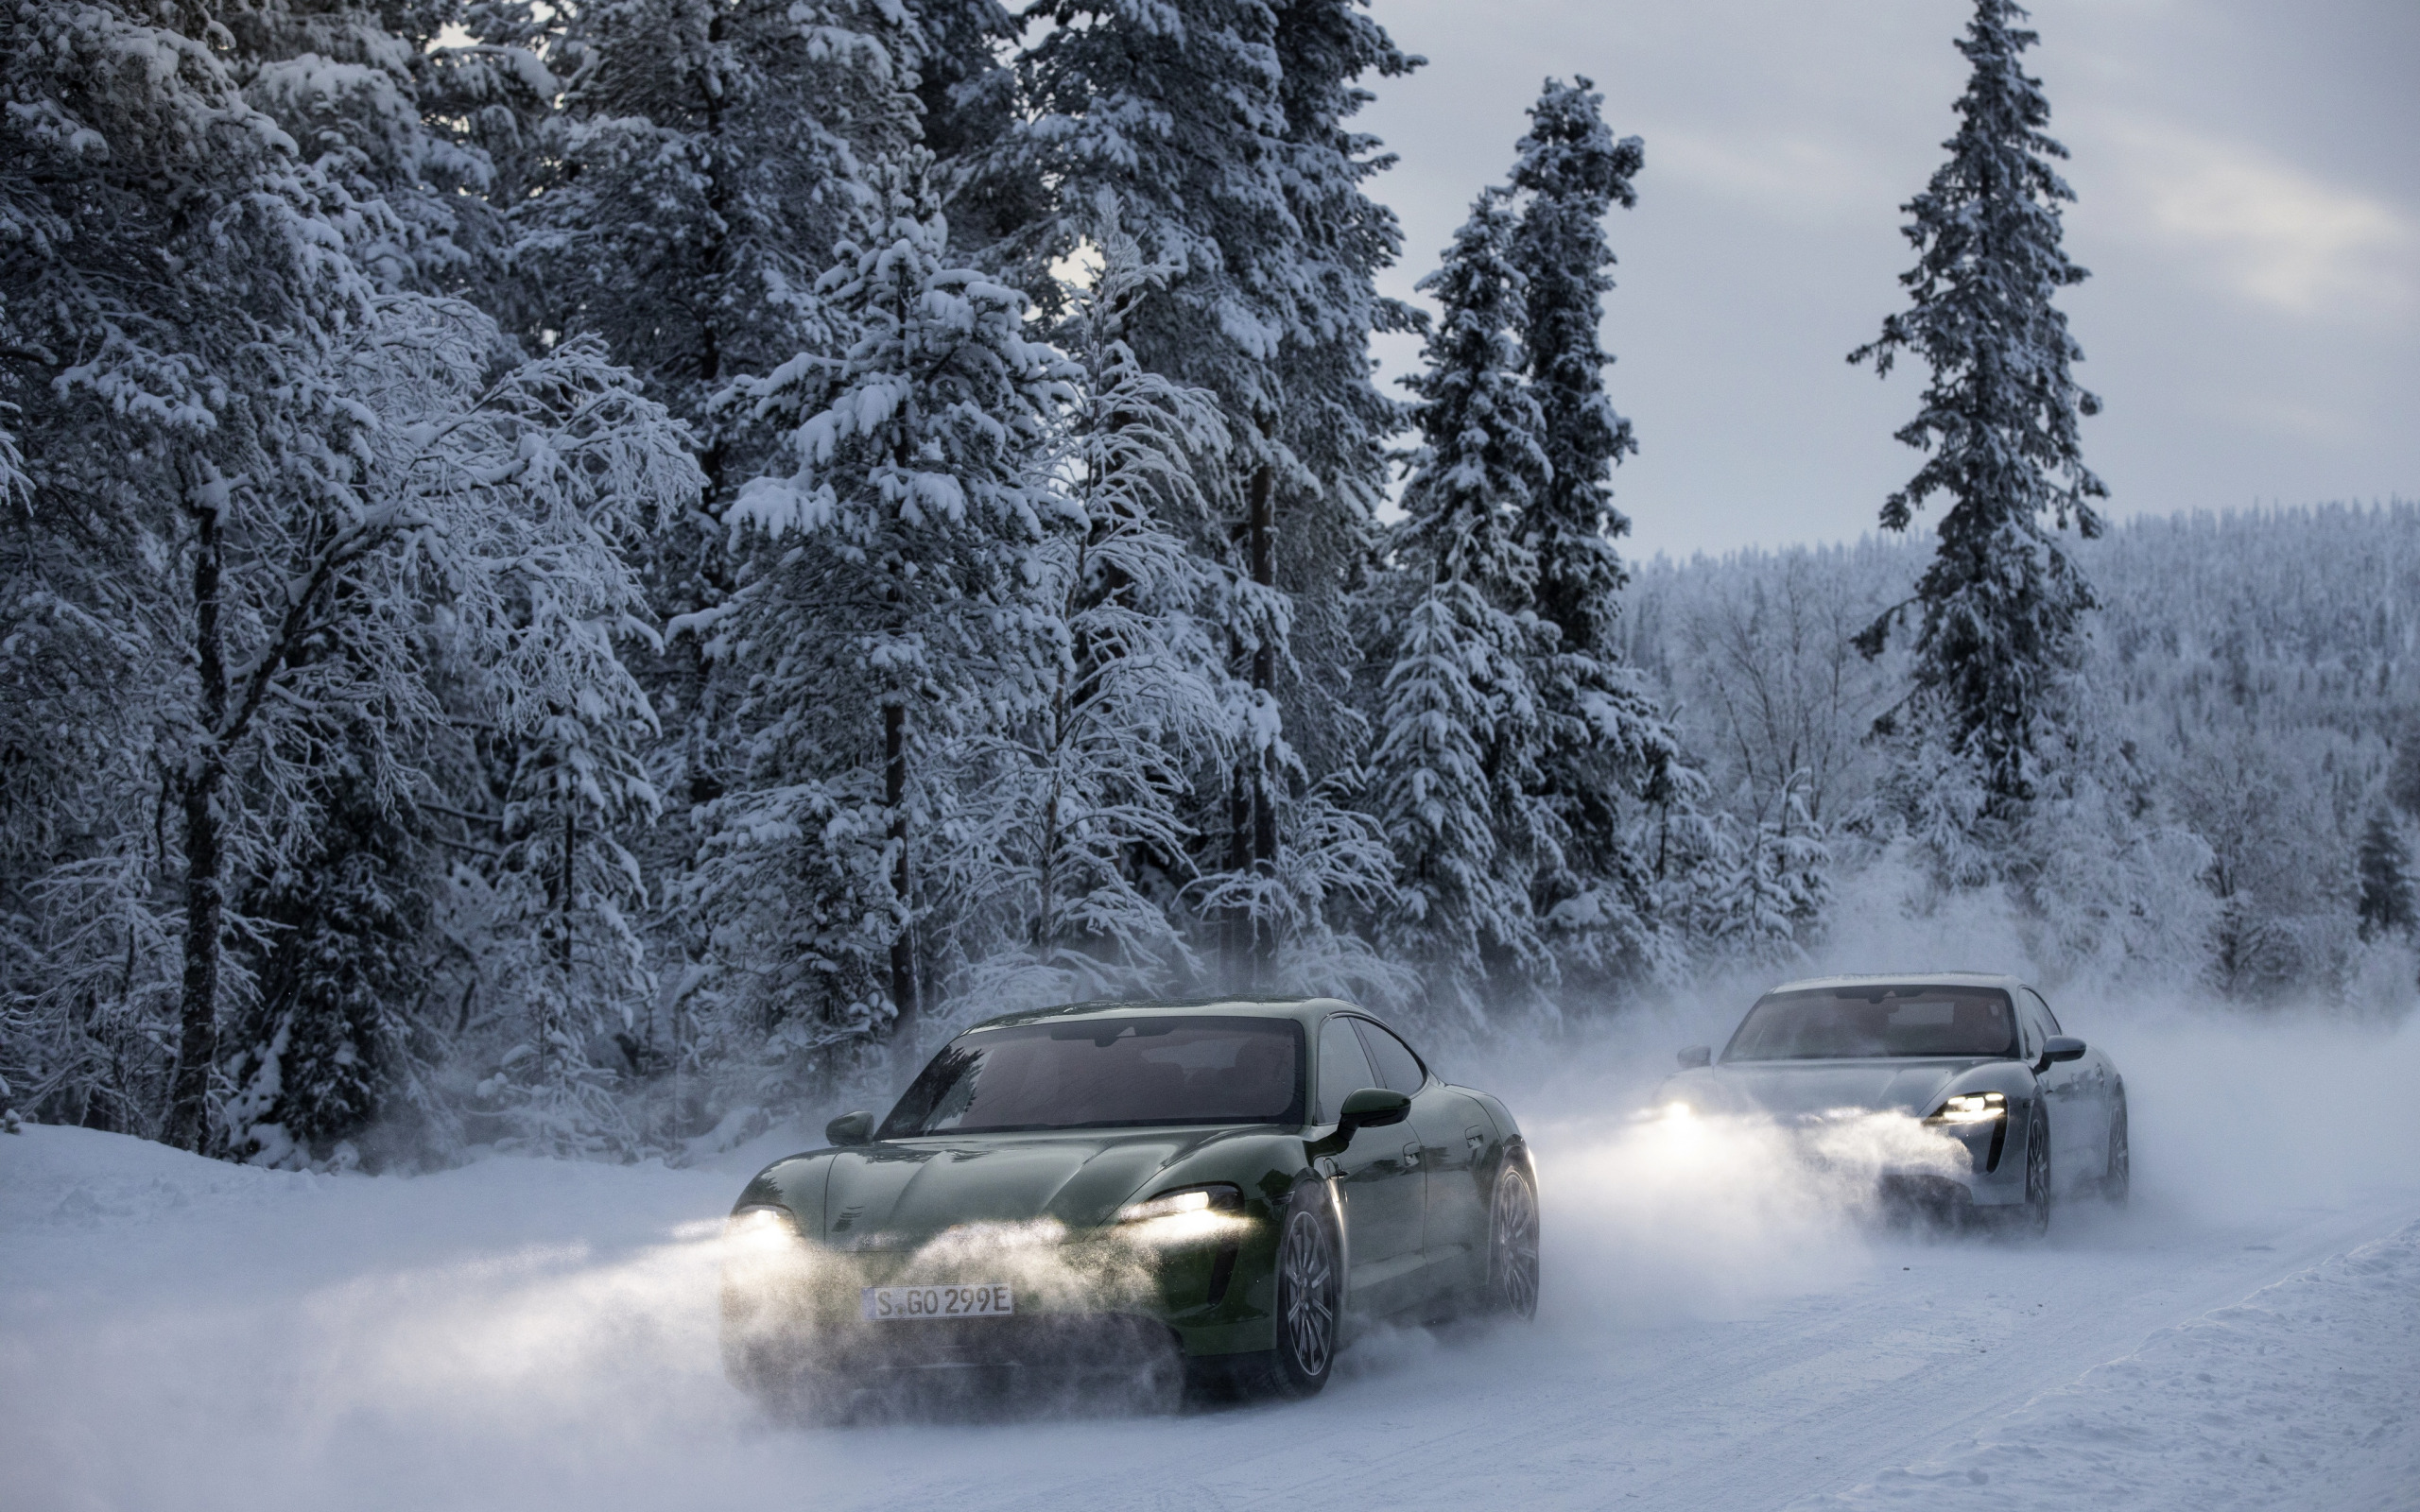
506	1333
2305	1395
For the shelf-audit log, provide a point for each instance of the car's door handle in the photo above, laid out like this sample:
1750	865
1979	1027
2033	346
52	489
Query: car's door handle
1411	1154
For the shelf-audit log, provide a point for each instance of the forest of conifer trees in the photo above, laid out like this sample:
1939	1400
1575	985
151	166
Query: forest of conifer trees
575	574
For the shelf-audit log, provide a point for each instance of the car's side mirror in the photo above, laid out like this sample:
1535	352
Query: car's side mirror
2062	1047
1696	1055
1372	1108
850	1128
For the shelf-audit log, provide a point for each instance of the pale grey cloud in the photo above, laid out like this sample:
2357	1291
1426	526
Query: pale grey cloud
2262	228
2250	210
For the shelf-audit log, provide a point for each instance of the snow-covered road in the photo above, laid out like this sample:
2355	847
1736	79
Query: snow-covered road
180	1334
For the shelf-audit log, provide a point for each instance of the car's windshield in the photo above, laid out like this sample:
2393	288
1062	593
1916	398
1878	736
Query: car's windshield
1108	1073
1825	1023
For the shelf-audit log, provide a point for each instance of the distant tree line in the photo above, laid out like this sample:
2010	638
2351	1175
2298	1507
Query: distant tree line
2232	814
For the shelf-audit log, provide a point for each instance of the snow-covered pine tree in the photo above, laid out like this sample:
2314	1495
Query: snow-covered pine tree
382	102
966	94
1217	129
2403	771
1303	854
704	161
706	158
385	109
1573	172
1459	730
1334	422
1761	889
461	560
885	609
2003	603
2386	904
1608	747
143	399
283	499
339	1035
1070	842
565	906
1172	113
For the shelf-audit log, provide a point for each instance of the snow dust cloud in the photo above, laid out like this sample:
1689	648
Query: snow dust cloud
1653	1219
504	1379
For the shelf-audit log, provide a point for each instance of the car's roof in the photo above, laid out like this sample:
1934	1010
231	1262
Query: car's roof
1817	984
1302	1010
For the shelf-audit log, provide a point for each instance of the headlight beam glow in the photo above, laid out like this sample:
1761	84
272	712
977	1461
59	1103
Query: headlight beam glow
1972	1108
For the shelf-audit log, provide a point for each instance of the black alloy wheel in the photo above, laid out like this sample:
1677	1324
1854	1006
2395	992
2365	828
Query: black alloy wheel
2032	1218
1310	1297
1512	1245
2119	1182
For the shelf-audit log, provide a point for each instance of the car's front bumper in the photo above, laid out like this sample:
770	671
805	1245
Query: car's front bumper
1911	1158
1083	1301
1993	1160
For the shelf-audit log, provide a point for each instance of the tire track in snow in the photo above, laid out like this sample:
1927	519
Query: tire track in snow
2303	1395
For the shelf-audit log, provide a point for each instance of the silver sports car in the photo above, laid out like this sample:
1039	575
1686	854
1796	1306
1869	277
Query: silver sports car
1976	1059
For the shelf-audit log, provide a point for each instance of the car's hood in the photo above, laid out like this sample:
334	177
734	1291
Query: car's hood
896	1195
1788	1089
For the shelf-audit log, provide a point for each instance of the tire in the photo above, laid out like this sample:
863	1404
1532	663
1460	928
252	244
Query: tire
1310	1303
2032	1218
1512	1245
2118	1183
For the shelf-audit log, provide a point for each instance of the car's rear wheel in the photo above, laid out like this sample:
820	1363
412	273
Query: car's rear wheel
2118	1183
1512	1245
1310	1298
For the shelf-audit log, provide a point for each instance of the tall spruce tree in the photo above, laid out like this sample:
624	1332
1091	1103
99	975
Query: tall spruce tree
1217	132
706	158
1071	842
2386	904
704	161
382	101
1608	747
1459	723
335	1037
2003	603
886	605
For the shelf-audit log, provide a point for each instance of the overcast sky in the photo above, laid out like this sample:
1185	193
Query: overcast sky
2248	183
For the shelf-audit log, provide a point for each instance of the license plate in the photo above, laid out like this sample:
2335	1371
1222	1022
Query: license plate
891	1304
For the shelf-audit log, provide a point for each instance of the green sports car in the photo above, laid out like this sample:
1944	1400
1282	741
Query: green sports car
1227	1183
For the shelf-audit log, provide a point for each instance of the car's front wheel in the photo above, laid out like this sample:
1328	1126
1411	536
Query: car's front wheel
2032	1218
1512	1245
1310	1301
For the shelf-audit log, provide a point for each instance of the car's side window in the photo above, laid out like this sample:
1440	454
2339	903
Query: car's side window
1343	1069
1399	1070
2049	1019
2028	1018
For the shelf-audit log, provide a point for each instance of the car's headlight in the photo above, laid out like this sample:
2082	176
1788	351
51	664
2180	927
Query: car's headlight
1216	1196
1972	1108
760	1228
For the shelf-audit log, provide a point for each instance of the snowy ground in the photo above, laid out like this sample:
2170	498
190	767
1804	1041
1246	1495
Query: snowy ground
180	1334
